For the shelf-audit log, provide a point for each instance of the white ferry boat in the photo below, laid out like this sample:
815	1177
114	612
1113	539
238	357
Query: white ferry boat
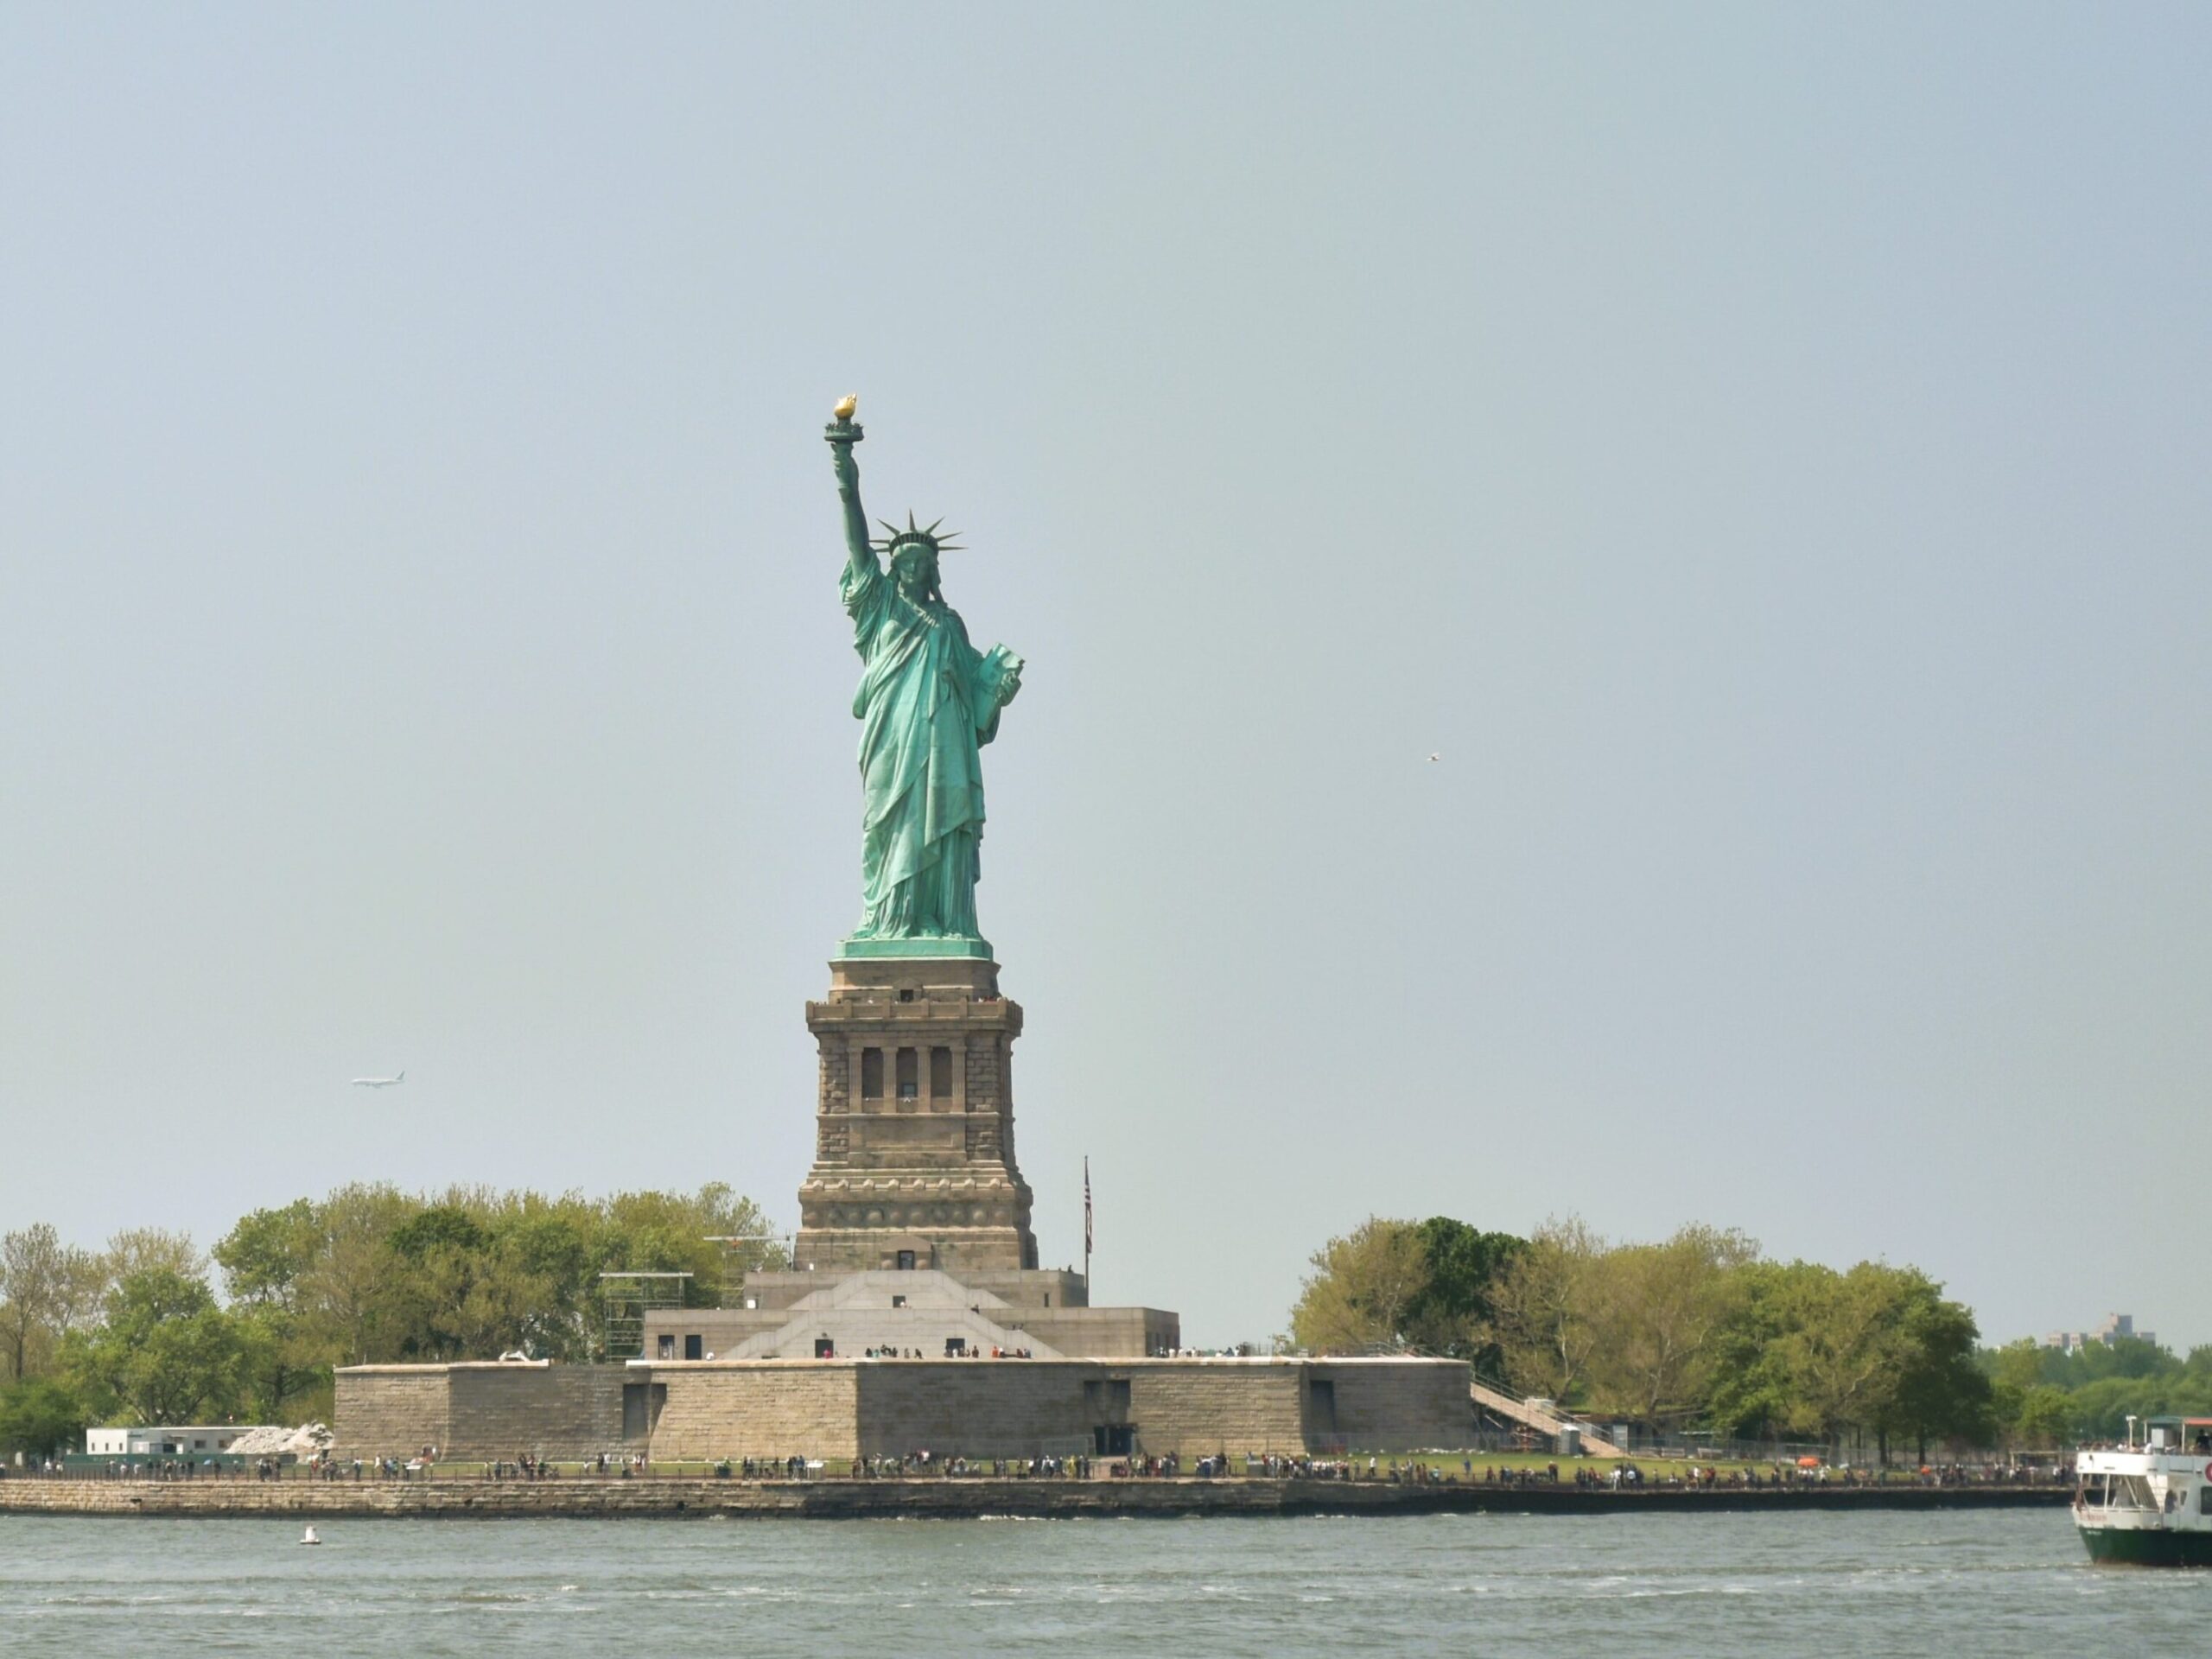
2150	1503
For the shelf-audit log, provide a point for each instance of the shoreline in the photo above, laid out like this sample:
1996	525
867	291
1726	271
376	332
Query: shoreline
941	1497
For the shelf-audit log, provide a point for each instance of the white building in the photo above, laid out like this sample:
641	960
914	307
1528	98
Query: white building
189	1440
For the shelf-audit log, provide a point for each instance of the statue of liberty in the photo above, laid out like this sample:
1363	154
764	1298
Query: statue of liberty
928	702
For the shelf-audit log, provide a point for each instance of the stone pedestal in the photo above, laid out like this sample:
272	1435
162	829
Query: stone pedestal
914	1159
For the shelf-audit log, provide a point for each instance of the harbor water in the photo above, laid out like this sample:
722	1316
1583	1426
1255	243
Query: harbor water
1954	1583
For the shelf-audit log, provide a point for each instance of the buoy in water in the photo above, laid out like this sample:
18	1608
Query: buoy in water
310	1537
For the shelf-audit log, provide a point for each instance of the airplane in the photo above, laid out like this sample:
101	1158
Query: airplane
379	1083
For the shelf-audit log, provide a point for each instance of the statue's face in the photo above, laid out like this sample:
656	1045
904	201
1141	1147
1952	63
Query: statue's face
914	567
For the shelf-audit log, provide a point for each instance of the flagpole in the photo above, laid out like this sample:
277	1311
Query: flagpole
1086	1226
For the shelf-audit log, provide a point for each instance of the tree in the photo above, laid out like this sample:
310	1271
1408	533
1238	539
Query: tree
343	1289
1874	1349
1837	1352
457	1289
2016	1365
1659	1314
2100	1410
1751	1395
1362	1286
1541	1305
264	1259
41	1416
367	1274
47	1289
1453	1308
2042	1418
1938	1392
671	1232
264	1256
140	1249
166	1354
2122	1356
32	1269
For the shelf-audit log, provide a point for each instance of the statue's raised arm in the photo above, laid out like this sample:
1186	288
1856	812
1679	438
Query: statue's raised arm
844	432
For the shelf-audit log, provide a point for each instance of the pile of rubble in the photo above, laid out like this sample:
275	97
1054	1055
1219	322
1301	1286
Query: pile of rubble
304	1441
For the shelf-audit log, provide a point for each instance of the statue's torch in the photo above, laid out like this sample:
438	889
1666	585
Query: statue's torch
844	429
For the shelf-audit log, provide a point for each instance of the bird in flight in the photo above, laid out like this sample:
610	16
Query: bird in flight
1436	757
379	1083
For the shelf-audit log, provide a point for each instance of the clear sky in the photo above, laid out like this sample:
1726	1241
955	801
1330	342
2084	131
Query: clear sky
1761	450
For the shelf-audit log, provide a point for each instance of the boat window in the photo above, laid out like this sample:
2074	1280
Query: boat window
2204	1498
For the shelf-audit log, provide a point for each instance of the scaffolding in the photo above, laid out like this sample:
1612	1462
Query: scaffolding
748	1253
626	1298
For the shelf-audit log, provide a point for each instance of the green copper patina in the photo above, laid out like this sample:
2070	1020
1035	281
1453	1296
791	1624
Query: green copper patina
928	702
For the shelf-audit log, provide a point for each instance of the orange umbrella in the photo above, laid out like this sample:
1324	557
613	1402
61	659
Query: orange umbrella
1809	1463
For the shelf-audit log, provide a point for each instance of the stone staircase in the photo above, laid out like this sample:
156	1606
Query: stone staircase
1544	1422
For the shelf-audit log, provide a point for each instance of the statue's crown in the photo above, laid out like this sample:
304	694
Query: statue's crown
913	535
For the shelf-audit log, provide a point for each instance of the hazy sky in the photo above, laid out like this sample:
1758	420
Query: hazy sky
1761	450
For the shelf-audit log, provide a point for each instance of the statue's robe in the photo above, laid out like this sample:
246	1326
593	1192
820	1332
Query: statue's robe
926	708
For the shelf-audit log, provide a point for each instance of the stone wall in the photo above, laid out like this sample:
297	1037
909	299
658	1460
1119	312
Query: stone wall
845	1407
1097	1332
384	1411
1066	1333
756	1409
1199	1406
560	1411
461	1497
488	1410
975	1409
1384	1404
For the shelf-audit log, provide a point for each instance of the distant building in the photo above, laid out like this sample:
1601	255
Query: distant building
189	1440
2115	1327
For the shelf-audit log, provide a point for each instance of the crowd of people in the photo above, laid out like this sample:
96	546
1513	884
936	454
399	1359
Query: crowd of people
1616	1474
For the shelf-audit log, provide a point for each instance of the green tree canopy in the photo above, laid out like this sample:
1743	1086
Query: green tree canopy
1452	1310
1390	1286
41	1416
1362	1285
1544	1322
1694	1330
32	1269
367	1272
1660	1316
166	1353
